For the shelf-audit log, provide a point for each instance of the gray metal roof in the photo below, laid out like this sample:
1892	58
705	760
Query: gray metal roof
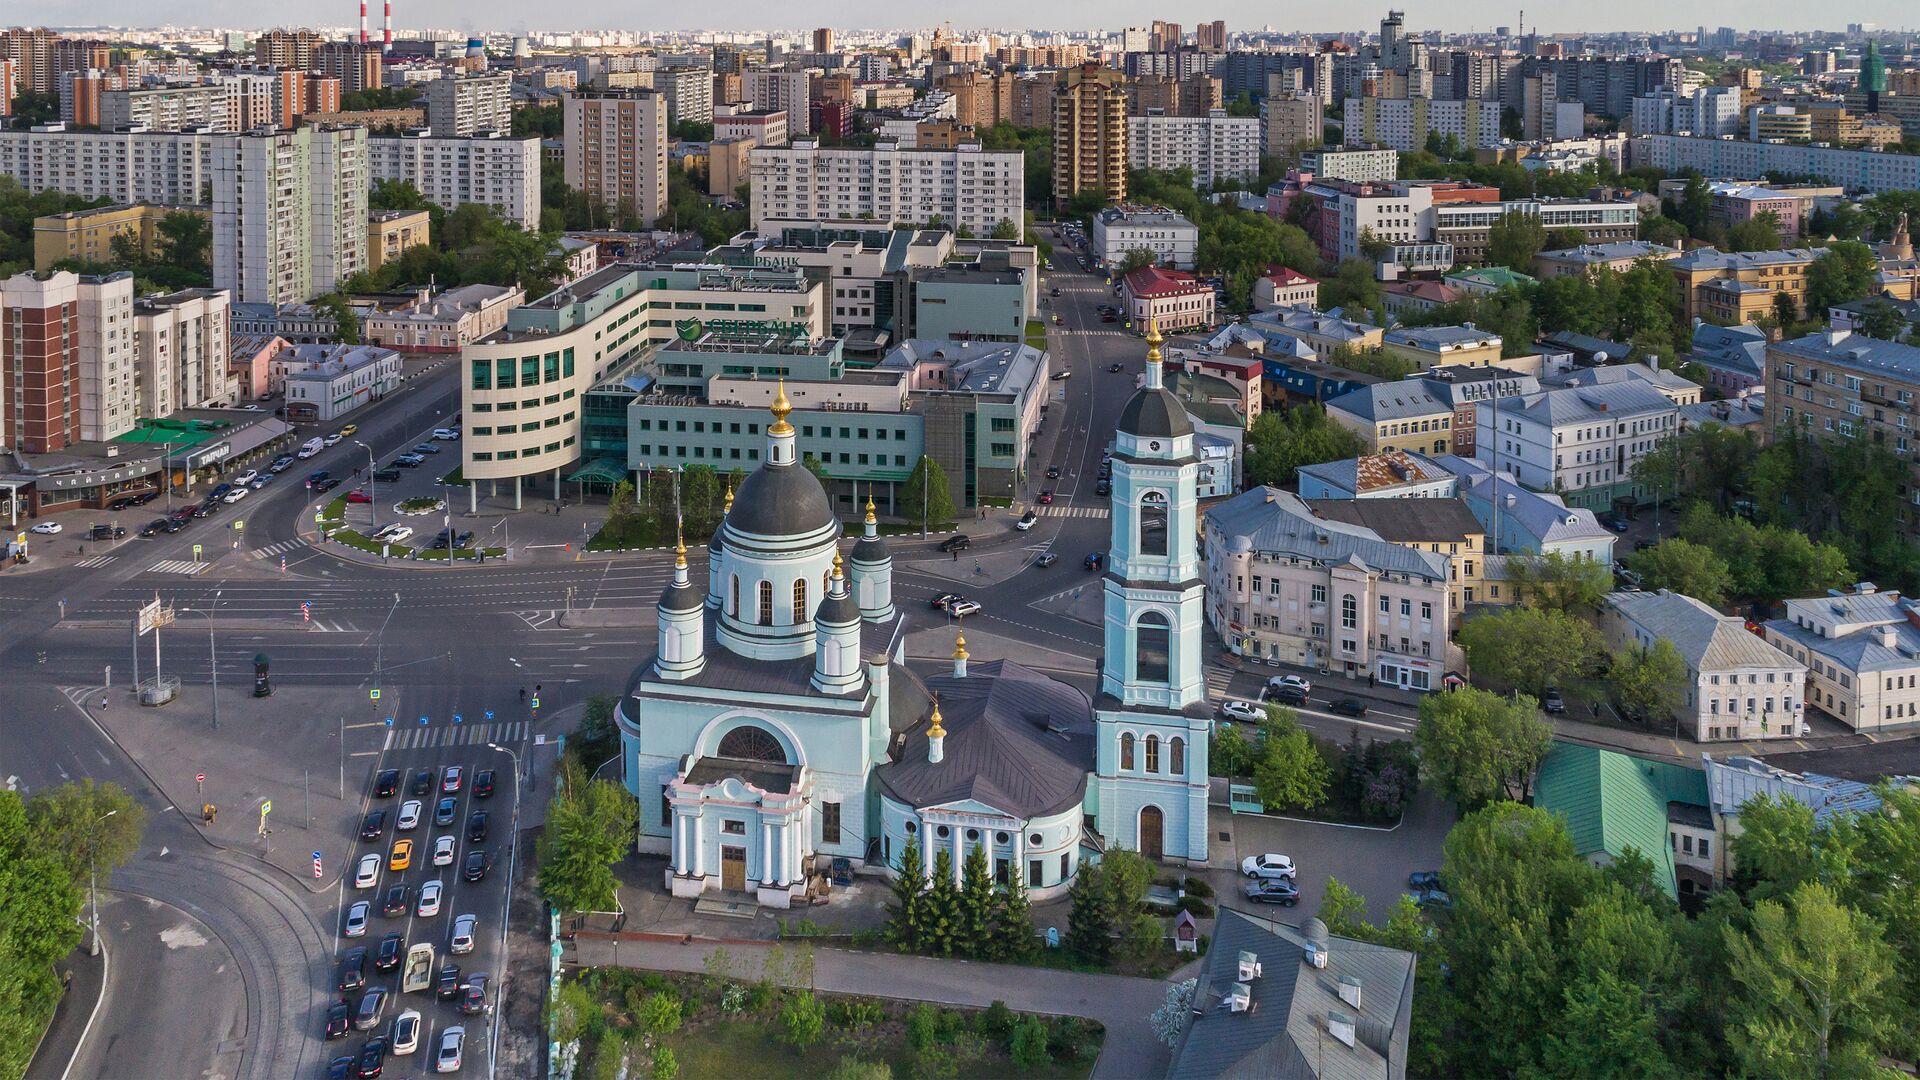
1732	782
1856	352
1706	639
1421	520
1587	404
1546	517
1733	348
1155	412
1276	521
1284	1035
1860	650
781	500
1017	741
1615	374
1402	400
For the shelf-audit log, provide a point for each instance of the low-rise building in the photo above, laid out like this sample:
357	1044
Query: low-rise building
1734	357
1443	346
1618	256
1679	390
1416	297
446	322
1734	287
390	232
1733	783
250	359
1613	801
1526	523
967	187
1402	415
1861	651
1738	688
325	382
1358	164
1171	299
1323	334
1117	230
88	235
1580	443
300	324
1285	287
1486	280
1443	526
1393	474
1286	585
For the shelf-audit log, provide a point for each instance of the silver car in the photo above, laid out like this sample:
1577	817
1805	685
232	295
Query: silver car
464	929
357	918
447	1058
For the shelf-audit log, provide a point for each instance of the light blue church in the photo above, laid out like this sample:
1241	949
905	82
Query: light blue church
778	729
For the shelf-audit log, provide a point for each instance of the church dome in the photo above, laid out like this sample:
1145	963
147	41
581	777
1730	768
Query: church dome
1154	413
781	500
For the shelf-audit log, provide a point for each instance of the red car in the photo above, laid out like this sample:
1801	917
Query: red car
1045	497
359	495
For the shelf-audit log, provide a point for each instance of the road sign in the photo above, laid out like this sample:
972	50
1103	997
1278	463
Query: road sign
196	551
306	612
374	693
199	778
316	864
489	714
153	615
456	718
536	703
266	807
423	721
240	524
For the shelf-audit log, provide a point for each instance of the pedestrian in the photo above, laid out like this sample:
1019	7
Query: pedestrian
956	554
1369	680
523	693
103	703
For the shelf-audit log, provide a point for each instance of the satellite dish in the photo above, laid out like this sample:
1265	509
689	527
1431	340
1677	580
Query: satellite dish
1600	357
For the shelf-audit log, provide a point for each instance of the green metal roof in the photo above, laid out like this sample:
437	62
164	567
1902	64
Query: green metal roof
1497	276
602	470
1613	801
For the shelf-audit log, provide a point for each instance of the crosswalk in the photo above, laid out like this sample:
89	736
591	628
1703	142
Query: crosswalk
287	547
470	734
97	560
1218	681
178	566
1059	511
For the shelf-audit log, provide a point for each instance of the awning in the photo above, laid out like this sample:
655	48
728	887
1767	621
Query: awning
602	470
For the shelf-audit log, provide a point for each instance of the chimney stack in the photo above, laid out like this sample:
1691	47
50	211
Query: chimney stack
363	23
386	31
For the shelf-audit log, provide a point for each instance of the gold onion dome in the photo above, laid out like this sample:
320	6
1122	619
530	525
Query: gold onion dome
936	731
781	407
960	647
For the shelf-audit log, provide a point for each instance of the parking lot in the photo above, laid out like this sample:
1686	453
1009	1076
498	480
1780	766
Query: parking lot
1373	862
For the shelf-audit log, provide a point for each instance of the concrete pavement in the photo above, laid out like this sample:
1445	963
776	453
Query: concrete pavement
1119	1002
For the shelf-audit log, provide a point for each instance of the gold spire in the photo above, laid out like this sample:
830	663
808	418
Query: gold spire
936	731
726	506
839	566
960	646
679	547
870	518
1153	341
781	407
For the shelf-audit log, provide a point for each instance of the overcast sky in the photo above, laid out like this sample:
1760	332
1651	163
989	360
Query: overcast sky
509	15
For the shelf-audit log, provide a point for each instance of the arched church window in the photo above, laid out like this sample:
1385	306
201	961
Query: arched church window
1153	524
766	603
733	601
1152	640
1153	753
752	744
1177	755
799	600
1126	749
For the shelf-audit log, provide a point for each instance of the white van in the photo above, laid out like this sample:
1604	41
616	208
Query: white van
312	447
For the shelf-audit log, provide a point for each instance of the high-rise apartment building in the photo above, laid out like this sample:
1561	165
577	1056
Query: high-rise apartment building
180	353
965	187
494	170
1215	146
1290	121
615	148
1404	123
124	167
689	94
286	48
823	40
356	66
66	359
467	104
168	108
289	212
1090	135
788	91
41	56
1211	36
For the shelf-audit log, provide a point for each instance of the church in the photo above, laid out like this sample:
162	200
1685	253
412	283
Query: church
778	728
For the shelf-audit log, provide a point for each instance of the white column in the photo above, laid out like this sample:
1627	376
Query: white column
790	848
1019	852
926	847
699	846
959	851
679	842
769	867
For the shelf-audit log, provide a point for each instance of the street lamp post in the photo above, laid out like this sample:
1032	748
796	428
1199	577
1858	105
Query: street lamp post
93	887
513	851
213	657
373	504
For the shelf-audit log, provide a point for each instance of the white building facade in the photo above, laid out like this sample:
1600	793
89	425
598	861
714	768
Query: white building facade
965	187
492	170
1215	146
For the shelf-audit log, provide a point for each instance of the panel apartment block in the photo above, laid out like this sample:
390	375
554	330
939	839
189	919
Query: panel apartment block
965	187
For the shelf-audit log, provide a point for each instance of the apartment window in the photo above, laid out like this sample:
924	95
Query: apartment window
1349	612
482	375
1319	594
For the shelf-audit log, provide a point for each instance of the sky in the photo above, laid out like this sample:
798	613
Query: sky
514	15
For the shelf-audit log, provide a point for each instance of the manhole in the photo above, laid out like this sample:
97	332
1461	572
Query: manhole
1225	836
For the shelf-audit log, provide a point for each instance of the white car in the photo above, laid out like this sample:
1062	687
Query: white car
406	1033
46	528
236	495
245	478
393	534
464	928
1026	521
447	1059
1268	867
368	874
443	851
357	918
429	899
446	434
333	439
1290	682
409	814
960	609
1246	711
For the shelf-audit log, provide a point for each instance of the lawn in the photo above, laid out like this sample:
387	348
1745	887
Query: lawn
1037	333
725	1026
629	532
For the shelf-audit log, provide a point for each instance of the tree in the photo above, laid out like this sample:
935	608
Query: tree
398	195
1514	239
1134	259
1785	311
1650	682
1882	320
620	502
1663	230
1809	989
975	916
1559	582
1479	746
1778	848
700	499
907	915
665	1065
658	1014
1280	442
85	825
803	1019
940	935
32	108
1090	917
1760	232
1170	1019
1528	648
1683	567
1352	288
924	497
1012	928
1230	754
184	240
346	324
1005	229
1843	274
589	828
1290	773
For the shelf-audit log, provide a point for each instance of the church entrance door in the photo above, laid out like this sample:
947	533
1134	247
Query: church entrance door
1151	827
733	869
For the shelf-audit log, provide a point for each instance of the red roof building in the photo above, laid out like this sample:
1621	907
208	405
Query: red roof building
1283	286
1174	298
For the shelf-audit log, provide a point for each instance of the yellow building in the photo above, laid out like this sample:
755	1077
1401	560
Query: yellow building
1444	527
1735	287
88	234
1396	416
1439	346
728	161
1779	122
390	232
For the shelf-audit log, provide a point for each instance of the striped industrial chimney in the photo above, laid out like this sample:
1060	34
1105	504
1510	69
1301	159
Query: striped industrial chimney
363	22
386	25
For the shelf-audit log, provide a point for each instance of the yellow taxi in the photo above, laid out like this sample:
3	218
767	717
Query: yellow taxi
402	856
349	430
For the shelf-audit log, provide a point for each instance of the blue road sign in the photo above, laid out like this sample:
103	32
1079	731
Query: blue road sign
389	721
489	714
456	718
423	721
536	703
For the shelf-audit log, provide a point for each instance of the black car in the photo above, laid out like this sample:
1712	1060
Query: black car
422	782
327	484
477	827
386	476
317	475
373	1057
106	532
1104	487
155	527
374	825
473	996
1287	695
409	461
1116	367
219	490
386	783
120	503
483	784
1053	472
353	971
393	949
339	1019
1614	521
145	497
476	867
340	1068
446	984
396	901
956	542
1551	701
1347	706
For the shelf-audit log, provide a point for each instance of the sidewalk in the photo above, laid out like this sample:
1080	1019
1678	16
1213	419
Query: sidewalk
1121	1003
73	1016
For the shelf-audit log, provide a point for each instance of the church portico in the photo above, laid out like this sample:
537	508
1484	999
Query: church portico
740	825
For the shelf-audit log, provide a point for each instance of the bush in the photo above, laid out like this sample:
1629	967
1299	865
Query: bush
733	998
1198	886
665	1065
1064	1038
923	1026
1196	907
658	1014
997	1022
852	1068
803	1020
1028	1046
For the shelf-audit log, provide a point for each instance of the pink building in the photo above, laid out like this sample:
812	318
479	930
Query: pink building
1286	287
248	359
1734	203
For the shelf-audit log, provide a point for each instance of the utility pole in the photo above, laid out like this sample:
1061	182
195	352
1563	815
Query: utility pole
93	884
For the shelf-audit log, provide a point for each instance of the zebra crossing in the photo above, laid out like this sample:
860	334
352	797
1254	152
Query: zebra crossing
287	547
1059	511
476	734
178	566
97	560
1219	680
